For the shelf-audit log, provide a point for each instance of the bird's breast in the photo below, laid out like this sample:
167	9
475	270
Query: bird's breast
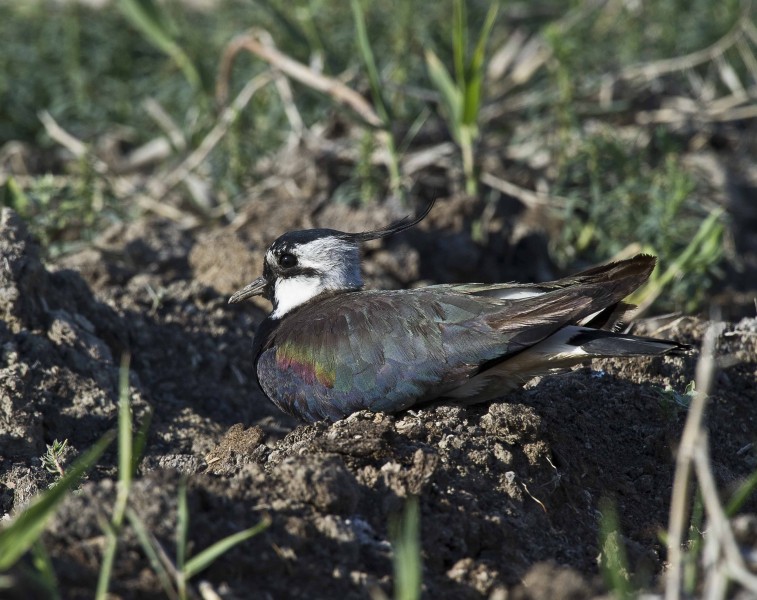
303	364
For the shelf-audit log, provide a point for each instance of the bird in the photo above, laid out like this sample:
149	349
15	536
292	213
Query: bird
330	348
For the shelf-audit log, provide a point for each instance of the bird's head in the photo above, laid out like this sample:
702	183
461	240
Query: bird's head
301	265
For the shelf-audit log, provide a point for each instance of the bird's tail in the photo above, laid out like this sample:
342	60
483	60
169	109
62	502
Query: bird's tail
574	344
562	350
597	343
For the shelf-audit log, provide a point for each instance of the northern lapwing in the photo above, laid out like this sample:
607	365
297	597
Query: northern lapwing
330	348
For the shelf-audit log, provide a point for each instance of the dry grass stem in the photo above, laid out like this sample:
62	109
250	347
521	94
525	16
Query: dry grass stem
439	154
121	186
290	108
254	42
655	70
530	198
158	114
676	116
161	187
722	559
61	136
691	437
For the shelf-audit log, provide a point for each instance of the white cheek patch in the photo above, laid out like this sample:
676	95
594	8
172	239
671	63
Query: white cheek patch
292	291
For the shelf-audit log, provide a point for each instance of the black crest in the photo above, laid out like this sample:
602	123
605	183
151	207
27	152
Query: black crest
290	240
396	227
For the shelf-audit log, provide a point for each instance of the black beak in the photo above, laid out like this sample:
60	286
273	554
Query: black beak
256	288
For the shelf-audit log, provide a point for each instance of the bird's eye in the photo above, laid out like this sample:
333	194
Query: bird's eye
287	260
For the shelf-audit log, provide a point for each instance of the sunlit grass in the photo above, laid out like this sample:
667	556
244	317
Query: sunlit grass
93	69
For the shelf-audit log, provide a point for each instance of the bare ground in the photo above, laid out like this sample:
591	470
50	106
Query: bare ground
510	492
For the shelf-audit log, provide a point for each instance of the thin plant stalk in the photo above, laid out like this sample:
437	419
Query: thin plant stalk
125	475
614	562
383	108
462	95
150	19
144	537
182	536
405	535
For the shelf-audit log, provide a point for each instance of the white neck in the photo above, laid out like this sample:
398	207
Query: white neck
292	292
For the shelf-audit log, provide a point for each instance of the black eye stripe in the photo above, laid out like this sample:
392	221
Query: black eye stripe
298	271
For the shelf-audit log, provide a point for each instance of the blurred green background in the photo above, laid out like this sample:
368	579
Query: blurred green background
621	183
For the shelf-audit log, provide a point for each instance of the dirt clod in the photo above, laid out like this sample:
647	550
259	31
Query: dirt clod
510	493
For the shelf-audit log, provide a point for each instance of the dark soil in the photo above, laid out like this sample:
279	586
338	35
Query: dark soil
511	493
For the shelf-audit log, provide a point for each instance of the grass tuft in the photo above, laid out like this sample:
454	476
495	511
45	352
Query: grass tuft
461	93
18	537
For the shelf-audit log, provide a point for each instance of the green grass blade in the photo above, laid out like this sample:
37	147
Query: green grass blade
704	247
140	441
21	534
414	129
182	538
459	42
106	568
205	558
300	31
152	555
16	198
475	75
451	96
477	60
613	563
693	554
125	473
125	433
44	567
148	17
182	526
366	52
405	537
745	490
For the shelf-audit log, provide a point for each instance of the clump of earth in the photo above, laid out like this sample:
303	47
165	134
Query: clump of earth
511	493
